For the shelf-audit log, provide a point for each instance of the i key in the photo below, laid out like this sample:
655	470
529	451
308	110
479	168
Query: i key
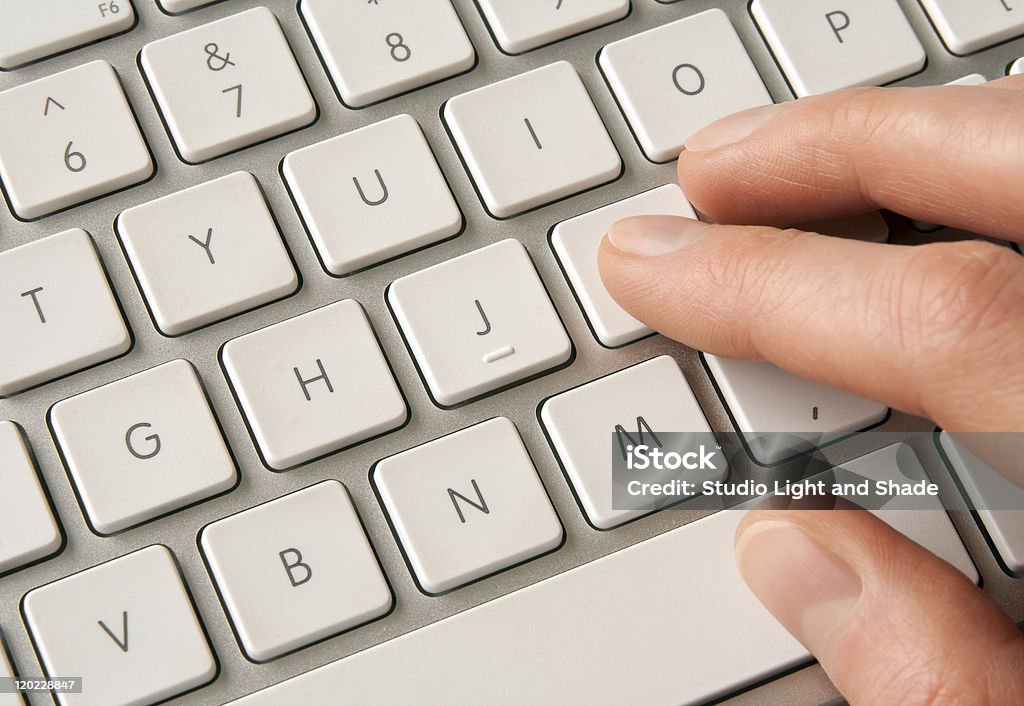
68	138
57	311
127	627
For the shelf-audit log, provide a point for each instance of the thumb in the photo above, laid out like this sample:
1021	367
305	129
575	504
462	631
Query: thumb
890	622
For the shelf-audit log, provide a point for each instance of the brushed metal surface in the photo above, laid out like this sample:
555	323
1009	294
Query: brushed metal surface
258	484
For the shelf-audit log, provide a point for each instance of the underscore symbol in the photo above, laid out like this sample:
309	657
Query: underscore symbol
211	50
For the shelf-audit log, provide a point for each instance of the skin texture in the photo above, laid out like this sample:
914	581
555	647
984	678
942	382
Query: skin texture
935	330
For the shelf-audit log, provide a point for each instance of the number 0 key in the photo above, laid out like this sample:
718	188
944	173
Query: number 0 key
69	138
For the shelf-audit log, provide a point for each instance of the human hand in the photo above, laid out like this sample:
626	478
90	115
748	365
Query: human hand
934	330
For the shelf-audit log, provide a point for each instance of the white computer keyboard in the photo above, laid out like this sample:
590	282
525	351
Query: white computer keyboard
304	351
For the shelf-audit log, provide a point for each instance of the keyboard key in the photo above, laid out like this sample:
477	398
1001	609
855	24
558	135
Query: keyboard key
996	500
781	415
467	505
305	554
520	27
227	85
479	322
576	241
28	530
69	138
1017	67
969	80
376	50
313	384
673	80
207	253
126	627
967	25
628	608
532	139
33	30
586	425
821	49
142	447
175	7
57	310
371	195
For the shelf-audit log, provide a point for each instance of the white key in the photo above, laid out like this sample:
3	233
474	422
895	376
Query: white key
628	608
175	7
576	241
781	415
207	253
673	80
823	48
588	424
479	322
227	85
519	26
307	556
376	50
371	195
142	447
57	311
33	30
532	139
68	138
1017	67
28	530
969	80
996	500
970	25
467	505
126	627
314	384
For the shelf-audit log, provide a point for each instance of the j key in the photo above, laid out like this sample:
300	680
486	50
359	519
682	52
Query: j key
68	138
58	312
207	253
467	505
307	555
576	241
588	424
532	139
996	500
33	30
675	79
479	322
970	25
376	50
227	85
822	48
27	529
142	447
781	415
314	384
126	627
520	26
371	195
595	618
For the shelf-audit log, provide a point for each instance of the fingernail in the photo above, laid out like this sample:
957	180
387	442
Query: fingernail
730	129
650	236
809	589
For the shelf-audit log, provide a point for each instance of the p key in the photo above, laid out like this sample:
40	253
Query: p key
57	310
532	139
127	627
822	47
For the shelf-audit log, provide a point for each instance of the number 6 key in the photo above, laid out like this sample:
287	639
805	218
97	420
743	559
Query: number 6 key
69	138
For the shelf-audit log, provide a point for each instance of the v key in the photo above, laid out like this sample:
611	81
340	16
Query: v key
122	643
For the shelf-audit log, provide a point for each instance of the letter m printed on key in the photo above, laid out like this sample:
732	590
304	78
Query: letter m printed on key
623	436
